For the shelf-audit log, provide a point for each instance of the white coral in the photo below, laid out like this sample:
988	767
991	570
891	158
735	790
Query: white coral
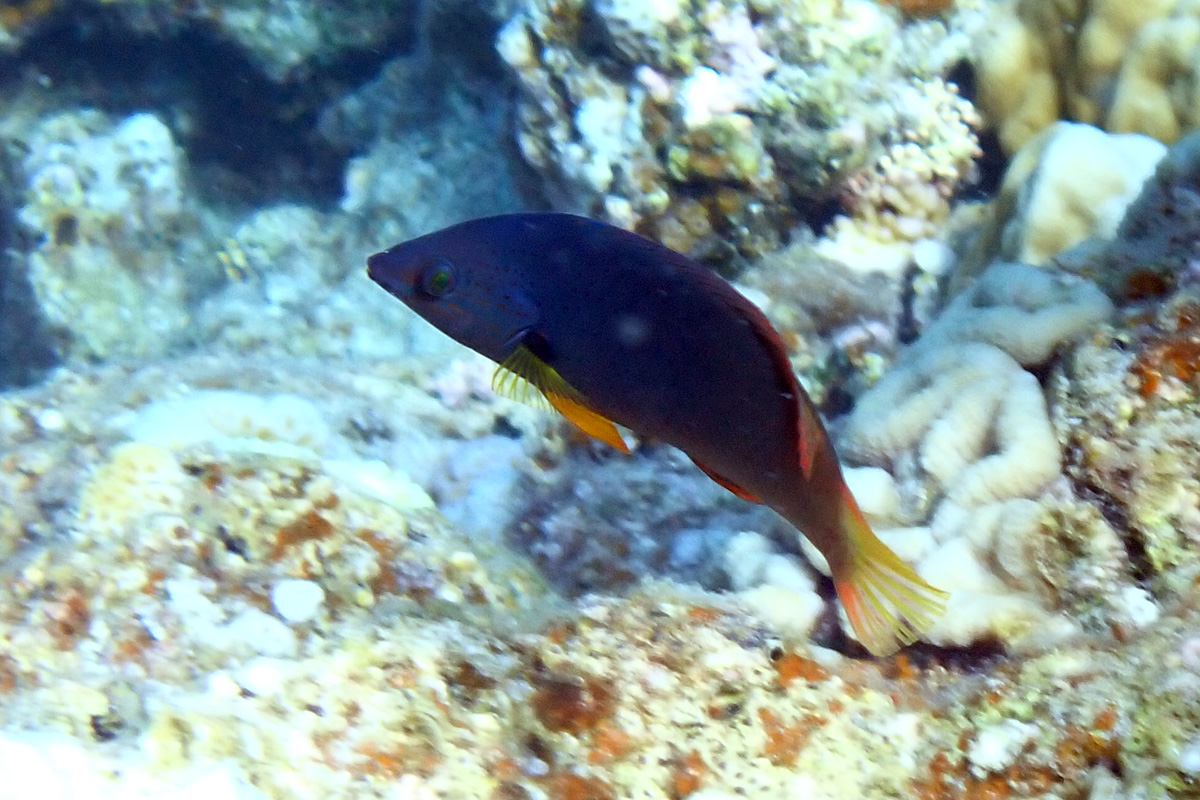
977	420
960	411
1022	310
1072	182
233	419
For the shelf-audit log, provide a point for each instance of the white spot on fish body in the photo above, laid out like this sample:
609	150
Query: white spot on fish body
632	330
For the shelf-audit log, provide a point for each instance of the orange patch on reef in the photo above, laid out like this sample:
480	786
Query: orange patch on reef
308	527
8	675
791	666
68	618
568	786
385	581
688	775
921	8
1145	284
609	744
1074	757
399	760
703	615
784	742
1172	352
573	706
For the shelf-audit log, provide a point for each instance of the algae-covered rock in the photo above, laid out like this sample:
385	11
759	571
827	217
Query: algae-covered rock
713	131
117	241
286	39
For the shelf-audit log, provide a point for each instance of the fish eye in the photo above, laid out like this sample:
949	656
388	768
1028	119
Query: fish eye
437	278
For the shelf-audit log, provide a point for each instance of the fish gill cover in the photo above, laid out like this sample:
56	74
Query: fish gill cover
265	533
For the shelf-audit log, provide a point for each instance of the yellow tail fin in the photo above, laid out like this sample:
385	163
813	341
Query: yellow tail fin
888	604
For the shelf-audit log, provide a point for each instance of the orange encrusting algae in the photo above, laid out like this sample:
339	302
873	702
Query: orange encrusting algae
921	8
1173	353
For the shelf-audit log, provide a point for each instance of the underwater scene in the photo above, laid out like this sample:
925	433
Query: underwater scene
599	399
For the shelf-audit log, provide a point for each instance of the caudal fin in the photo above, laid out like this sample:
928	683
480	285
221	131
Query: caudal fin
888	604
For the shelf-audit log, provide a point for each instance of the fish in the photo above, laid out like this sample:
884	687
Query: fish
615	329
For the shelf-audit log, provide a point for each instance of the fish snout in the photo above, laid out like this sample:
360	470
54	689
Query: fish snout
375	266
384	270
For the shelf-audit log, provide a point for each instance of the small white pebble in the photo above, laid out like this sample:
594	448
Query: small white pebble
997	746
297	600
51	419
222	687
1140	608
261	676
261	633
1189	758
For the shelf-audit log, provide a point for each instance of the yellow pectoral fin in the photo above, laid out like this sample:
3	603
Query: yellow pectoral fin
523	371
517	378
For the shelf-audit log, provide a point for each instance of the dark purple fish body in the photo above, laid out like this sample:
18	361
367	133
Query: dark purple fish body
634	333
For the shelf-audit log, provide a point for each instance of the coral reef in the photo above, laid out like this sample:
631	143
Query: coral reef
264	534
1125	67
287	39
718	129
116	253
604	528
1155	245
966	433
267	628
1069	183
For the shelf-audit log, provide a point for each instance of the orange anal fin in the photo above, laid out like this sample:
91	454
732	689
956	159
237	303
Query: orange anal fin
728	484
589	421
888	604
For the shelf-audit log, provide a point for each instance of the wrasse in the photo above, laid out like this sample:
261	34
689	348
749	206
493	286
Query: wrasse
613	328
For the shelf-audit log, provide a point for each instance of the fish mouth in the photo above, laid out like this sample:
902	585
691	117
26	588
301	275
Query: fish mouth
375	267
382	269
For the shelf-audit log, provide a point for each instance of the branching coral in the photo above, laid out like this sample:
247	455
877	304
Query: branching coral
905	195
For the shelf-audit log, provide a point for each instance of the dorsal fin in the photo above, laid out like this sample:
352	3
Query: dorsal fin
524	371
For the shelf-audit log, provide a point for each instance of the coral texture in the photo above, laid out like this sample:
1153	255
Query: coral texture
715	129
163	659
1125	67
285	38
107	203
965	430
1070	183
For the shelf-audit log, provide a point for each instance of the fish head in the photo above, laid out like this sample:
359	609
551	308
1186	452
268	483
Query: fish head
460	285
